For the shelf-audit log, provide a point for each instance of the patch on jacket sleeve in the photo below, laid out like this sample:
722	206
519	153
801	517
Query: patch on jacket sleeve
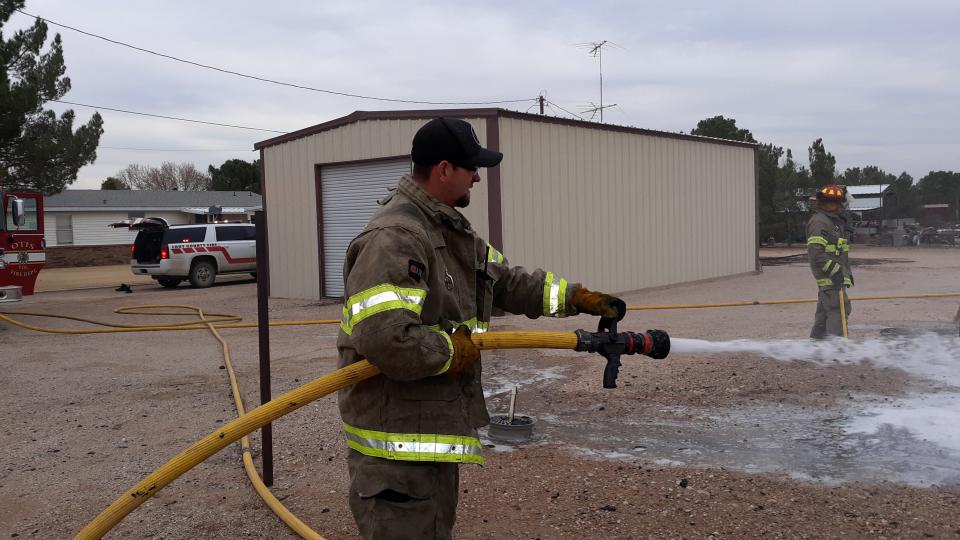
416	270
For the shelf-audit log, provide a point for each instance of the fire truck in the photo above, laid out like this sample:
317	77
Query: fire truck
21	244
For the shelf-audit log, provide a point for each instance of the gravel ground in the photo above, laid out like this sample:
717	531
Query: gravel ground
87	416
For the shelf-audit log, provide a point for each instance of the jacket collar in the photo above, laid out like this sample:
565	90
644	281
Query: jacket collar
430	205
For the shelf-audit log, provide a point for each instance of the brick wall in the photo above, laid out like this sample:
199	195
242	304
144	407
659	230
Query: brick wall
72	256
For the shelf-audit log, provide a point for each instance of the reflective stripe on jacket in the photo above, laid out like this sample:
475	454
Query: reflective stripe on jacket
828	246
414	274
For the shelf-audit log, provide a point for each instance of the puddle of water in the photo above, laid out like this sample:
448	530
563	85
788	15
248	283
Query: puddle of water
501	377
803	443
931	417
915	440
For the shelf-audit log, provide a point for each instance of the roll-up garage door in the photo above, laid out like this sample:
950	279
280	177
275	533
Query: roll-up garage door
349	197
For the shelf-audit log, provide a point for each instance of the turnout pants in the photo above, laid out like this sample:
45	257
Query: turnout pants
400	500
827	321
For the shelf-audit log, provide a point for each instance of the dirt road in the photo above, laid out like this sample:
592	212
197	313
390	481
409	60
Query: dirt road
719	445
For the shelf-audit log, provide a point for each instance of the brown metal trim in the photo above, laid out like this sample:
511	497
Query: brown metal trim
357	116
756	195
317	183
621	129
263	182
363	161
494	202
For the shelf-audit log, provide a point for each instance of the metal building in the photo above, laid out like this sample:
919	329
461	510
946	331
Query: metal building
614	207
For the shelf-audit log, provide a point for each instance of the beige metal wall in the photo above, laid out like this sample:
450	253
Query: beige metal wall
290	186
621	211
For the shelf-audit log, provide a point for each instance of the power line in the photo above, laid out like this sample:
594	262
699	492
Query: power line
166	117
575	115
272	81
101	147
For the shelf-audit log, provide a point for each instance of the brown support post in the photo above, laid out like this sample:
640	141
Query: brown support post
756	206
263	325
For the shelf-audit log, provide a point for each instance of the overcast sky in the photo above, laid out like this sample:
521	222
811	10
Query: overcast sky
878	80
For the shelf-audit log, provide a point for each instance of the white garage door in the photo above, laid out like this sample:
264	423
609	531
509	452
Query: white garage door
350	194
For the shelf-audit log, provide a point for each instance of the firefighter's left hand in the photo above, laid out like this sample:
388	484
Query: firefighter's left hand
465	353
598	303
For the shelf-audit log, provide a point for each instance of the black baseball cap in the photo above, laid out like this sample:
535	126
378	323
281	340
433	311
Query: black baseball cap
452	140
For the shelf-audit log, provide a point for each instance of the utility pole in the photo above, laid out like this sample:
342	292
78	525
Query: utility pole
541	101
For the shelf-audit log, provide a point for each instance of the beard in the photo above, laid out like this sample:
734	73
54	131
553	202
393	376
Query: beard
462	202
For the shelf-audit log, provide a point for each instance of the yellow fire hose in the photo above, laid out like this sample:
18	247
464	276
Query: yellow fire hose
791	301
207	321
279	406
843	311
239	428
114	328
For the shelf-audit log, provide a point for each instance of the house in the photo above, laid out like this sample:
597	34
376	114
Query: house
77	221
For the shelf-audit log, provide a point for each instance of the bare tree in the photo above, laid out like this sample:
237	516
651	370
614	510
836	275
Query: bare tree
134	175
168	177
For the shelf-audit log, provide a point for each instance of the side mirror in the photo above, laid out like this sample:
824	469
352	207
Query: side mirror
17	213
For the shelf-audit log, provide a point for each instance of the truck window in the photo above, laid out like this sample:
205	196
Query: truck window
29	211
184	235
227	234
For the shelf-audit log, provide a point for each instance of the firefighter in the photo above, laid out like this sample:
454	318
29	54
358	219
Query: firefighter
828	245
418	282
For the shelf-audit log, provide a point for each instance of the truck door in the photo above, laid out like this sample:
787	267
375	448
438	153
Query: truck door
22	245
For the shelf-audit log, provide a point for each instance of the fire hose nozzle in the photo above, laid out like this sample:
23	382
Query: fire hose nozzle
612	344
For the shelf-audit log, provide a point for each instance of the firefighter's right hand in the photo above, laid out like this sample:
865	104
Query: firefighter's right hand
837	279
598	303
465	353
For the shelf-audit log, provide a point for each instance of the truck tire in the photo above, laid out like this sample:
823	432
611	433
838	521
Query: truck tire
169	282
202	274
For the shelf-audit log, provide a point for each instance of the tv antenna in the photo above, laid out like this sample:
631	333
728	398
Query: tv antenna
596	50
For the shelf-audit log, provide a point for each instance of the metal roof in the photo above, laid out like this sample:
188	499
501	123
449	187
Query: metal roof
866	197
869	190
358	116
124	199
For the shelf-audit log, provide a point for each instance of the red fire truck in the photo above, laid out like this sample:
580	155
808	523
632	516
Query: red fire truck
21	244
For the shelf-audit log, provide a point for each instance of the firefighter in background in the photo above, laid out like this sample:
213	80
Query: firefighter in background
418	281
828	246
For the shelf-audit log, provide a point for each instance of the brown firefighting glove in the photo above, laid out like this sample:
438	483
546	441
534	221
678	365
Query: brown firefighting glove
465	353
598	303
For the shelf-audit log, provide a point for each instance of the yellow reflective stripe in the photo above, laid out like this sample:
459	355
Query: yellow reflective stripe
493	255
554	296
826	282
378	299
817	240
446	365
831	249
474	326
835	269
847	281
414	446
826	265
846	248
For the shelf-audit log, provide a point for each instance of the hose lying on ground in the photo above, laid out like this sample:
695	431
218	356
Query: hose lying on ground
295	399
744	303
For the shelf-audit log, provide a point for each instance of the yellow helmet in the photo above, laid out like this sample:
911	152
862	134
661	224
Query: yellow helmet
832	193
